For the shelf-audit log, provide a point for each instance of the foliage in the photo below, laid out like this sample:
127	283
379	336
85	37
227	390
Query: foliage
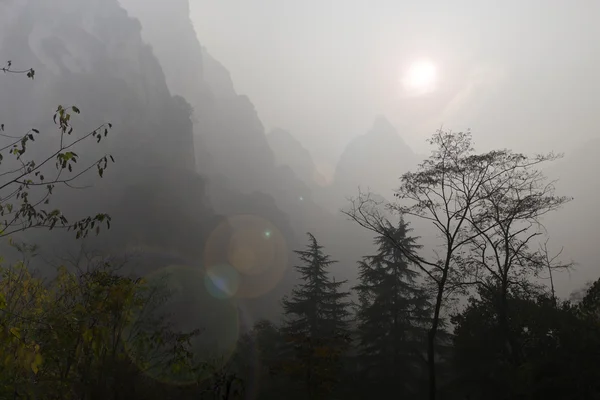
80	335
27	185
8	69
259	362
554	340
474	202
316	325
393	313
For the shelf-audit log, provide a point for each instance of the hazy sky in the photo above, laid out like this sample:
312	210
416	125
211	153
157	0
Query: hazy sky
520	74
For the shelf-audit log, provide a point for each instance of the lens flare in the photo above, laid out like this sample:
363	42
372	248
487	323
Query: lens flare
254	247
180	293
222	281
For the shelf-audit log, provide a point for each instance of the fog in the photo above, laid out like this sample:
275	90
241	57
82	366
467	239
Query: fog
520	75
237	127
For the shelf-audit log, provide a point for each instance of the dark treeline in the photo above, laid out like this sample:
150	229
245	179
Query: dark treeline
95	334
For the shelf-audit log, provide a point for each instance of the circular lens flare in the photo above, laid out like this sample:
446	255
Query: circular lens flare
222	281
254	247
179	294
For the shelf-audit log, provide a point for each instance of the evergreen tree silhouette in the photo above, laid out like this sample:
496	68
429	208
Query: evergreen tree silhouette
316	323
392	315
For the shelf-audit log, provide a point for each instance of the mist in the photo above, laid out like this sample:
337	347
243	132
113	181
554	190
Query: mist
503	69
230	130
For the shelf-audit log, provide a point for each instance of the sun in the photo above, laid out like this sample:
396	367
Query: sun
420	78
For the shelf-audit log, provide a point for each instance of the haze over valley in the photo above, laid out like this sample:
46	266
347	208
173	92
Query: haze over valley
299	180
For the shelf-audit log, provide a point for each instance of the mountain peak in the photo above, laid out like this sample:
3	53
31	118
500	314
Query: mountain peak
382	126
375	159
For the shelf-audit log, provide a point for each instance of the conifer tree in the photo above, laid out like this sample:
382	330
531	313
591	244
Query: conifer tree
316	325
392	315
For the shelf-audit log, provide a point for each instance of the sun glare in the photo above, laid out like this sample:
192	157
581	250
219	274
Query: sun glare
420	78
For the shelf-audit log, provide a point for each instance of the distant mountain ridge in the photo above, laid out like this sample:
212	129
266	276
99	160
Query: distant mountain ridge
232	148
289	151
374	160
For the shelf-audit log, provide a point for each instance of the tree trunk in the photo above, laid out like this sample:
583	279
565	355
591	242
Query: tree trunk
513	349
431	362
431	338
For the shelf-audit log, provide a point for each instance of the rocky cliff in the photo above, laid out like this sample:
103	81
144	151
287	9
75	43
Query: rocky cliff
232	148
91	54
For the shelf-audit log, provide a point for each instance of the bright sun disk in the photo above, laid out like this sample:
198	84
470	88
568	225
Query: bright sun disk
420	77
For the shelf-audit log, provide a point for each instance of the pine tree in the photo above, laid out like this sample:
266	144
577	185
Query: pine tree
316	325
392	314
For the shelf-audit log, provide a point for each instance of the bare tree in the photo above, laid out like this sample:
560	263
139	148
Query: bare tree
551	264
501	231
454	190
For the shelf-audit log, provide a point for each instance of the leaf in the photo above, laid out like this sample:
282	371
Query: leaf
15	332
88	336
37	362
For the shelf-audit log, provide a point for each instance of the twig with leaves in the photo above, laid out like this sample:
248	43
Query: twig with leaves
8	69
19	211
